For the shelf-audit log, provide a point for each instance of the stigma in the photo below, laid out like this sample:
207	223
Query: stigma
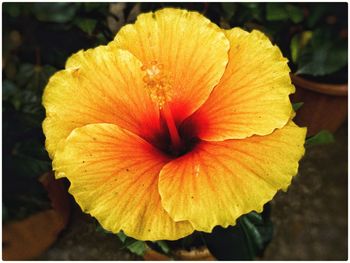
157	83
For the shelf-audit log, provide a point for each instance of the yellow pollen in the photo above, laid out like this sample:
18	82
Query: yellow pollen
157	83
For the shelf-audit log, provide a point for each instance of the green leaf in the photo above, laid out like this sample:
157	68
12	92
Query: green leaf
138	247
250	5
122	236
164	246
229	9
33	148
100	229
48	71
55	12
229	243
324	54
25	72
86	24
135	246
253	235
282	11
255	217
294	13
294	48
297	106
323	60
258	230
9	89
247	13
297	43
28	166
33	77
13	9
305	38
276	12
89	7
316	12
323	137
244	241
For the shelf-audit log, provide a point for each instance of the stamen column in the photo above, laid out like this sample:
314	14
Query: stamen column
161	91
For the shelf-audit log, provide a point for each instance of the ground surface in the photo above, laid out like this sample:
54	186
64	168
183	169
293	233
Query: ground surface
310	219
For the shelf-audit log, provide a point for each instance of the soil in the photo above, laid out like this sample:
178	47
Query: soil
310	218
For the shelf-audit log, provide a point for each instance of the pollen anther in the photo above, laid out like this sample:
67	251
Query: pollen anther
157	83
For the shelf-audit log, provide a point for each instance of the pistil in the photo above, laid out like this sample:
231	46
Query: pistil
174	134
161	92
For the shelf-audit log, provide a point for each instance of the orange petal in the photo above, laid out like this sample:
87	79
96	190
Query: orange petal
219	181
101	85
253	94
114	177
191	50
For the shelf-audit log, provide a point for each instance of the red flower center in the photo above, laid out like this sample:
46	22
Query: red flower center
175	140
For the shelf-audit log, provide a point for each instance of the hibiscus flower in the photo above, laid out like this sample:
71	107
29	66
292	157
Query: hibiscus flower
174	126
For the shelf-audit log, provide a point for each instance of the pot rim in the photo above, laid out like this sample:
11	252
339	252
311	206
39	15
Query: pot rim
200	253
324	88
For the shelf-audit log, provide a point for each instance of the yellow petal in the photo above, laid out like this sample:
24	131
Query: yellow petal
253	94
192	51
101	85
114	177
219	181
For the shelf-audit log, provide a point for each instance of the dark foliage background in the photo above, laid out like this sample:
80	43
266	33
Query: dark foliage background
39	37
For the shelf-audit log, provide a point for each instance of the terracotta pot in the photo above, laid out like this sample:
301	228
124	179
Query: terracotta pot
325	105
28	238
200	254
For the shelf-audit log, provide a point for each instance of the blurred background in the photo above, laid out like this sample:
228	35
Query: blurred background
37	38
